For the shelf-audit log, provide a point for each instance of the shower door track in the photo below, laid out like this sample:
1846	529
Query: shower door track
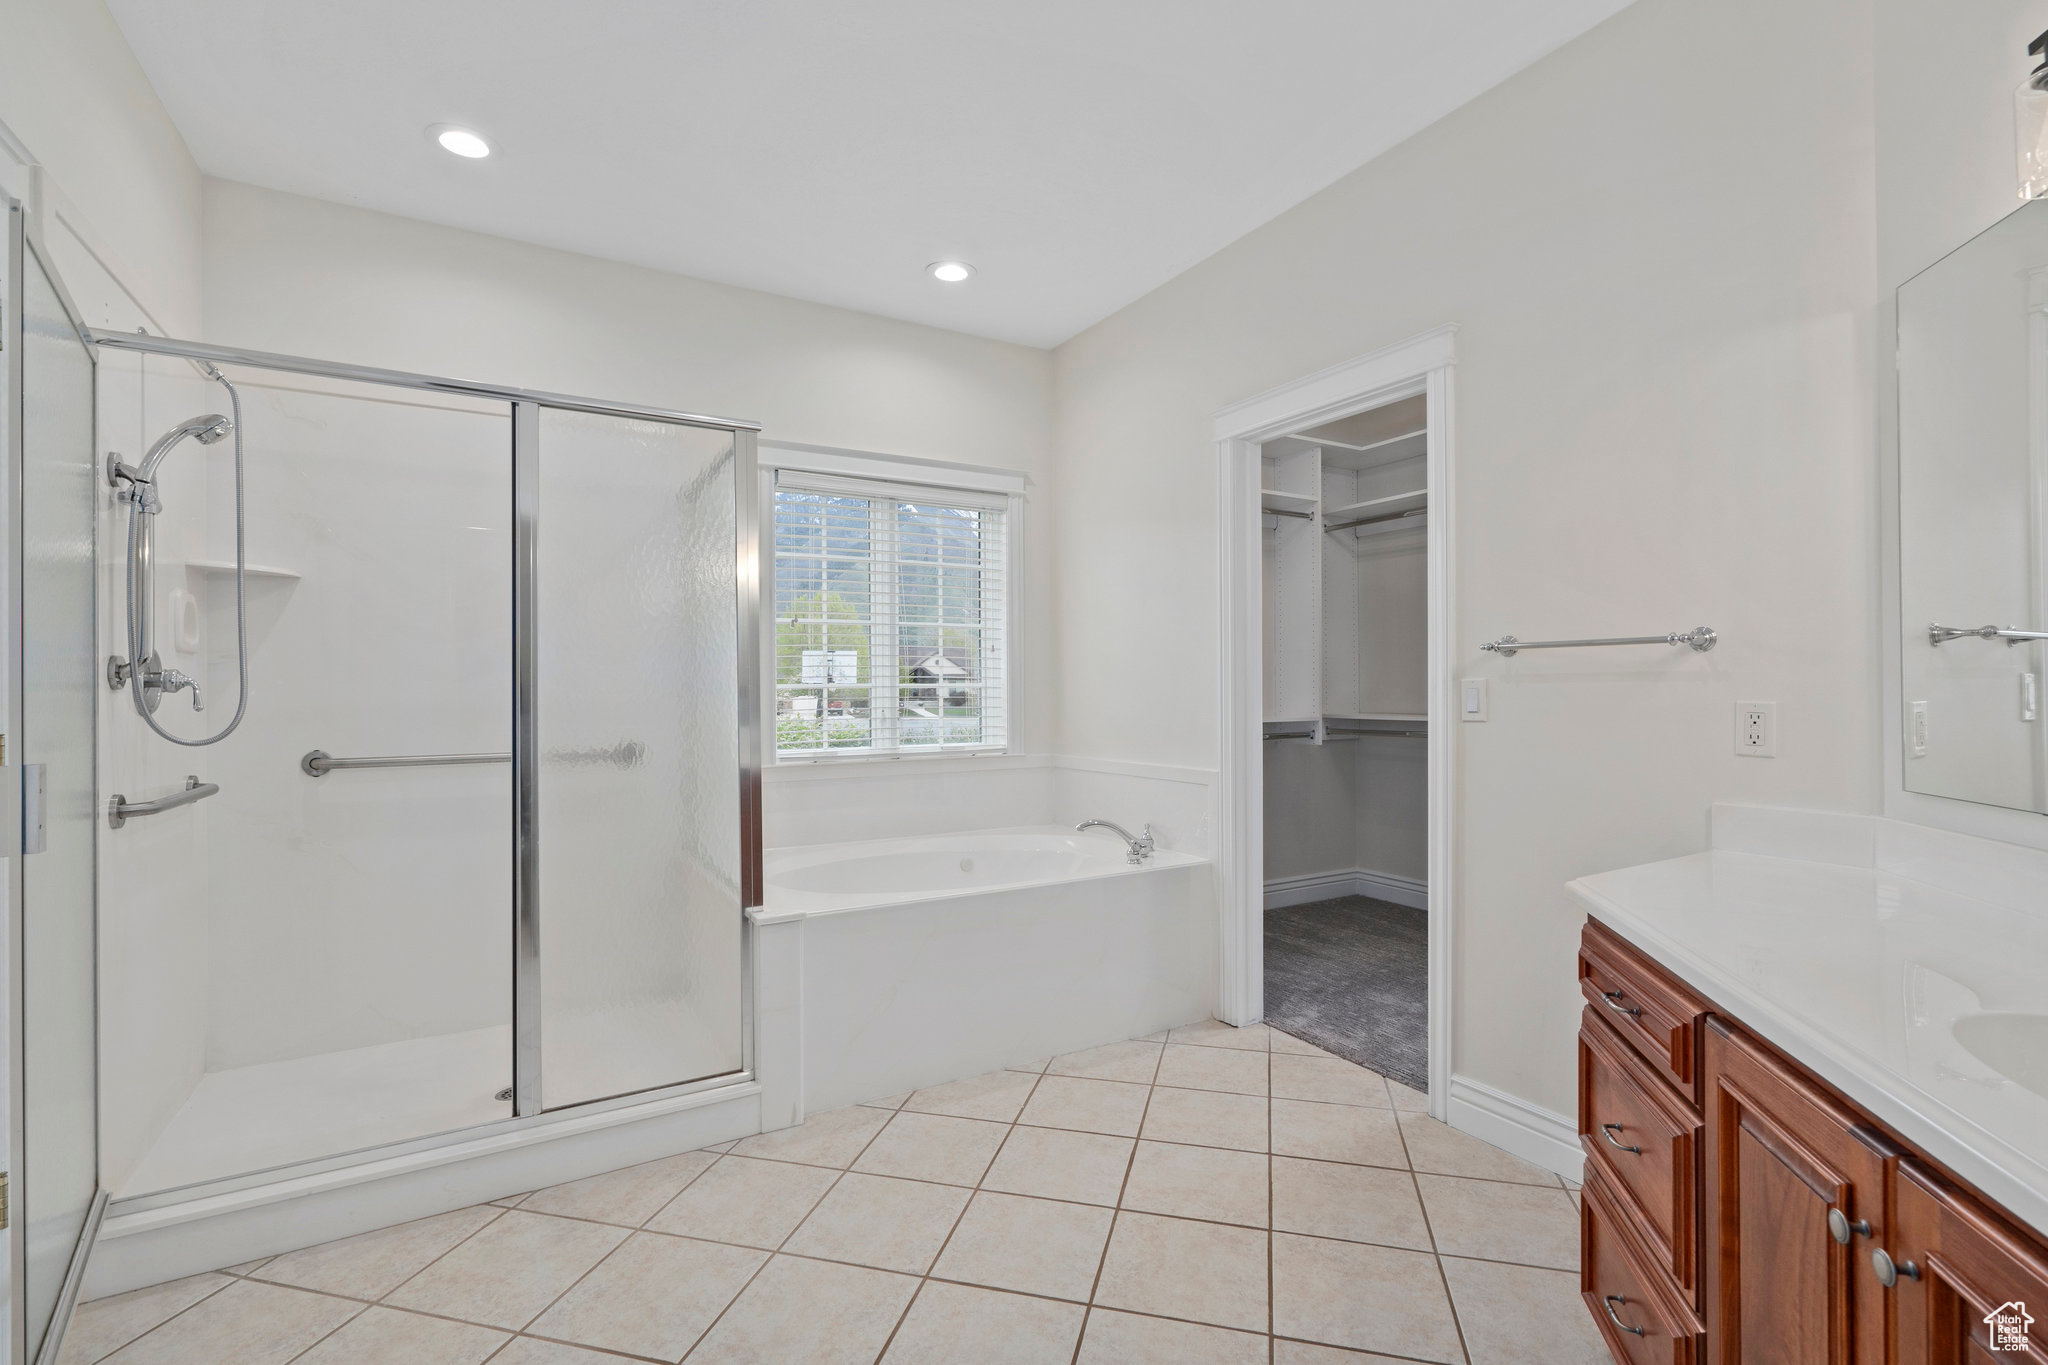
526	406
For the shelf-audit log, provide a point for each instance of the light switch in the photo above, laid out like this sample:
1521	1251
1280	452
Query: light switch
2030	696
1472	699
1916	730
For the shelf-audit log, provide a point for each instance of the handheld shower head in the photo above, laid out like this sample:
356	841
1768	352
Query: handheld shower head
207	428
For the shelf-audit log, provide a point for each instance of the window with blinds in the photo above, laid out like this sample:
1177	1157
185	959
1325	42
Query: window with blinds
891	602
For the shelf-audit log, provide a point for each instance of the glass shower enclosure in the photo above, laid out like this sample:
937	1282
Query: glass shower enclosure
480	846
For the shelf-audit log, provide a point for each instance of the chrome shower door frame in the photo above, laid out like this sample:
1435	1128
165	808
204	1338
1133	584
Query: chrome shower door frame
526	406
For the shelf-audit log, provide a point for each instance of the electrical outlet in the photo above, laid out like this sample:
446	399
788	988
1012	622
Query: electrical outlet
1916	730
1756	729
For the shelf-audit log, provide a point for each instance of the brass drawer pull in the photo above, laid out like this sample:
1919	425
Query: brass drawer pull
1614	997
1615	1318
1608	1130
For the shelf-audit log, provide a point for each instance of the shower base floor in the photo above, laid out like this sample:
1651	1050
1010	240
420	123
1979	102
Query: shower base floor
253	1118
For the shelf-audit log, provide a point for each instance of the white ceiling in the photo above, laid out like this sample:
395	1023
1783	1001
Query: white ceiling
1078	152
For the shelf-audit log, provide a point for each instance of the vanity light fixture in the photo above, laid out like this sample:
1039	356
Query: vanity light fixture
950	272
462	141
2030	124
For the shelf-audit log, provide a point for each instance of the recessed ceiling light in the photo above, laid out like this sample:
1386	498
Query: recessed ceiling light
950	272
461	141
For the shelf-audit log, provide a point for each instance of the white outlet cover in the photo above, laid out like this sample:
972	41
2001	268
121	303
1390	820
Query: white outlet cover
1756	729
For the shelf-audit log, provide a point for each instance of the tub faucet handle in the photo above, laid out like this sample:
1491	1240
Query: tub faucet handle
1138	847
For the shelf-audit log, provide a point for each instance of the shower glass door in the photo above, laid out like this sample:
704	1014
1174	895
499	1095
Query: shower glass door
636	706
52	687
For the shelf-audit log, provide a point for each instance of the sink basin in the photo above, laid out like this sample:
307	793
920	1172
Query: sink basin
2013	1045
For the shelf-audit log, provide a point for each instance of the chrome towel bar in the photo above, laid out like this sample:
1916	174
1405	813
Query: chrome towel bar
319	763
1701	638
1942	634
120	810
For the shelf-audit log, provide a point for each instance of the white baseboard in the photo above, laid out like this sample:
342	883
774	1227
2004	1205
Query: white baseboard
1516	1126
1282	892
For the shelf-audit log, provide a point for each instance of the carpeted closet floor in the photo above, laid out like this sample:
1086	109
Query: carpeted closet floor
1352	976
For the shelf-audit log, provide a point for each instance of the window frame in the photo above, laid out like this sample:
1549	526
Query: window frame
937	478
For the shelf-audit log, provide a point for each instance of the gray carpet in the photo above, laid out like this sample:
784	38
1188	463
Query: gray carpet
1352	976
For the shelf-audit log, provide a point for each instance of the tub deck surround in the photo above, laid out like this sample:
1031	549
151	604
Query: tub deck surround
890	964
1906	967
1205	1194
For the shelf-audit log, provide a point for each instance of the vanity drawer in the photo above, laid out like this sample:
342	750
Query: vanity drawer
1645	1139
1657	1017
1631	1301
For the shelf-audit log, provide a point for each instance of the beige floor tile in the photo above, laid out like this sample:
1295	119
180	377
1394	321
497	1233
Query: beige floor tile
1493	1221
933	1147
1207	1118
1035	1246
1514	1313
1055	1163
628	1197
1338	1132
1329	1079
506	1274
833	1138
1037	1066
1441	1149
1213	1068
511	1201
1126	1339
654	1296
251	1267
532	1351
1308	1353
720	1148
103	1326
247	1323
752	1203
810	1311
997	1096
1216	1183
386	1336
1354	1203
881	1222
1287	1042
1158	1037
1087	1105
1407	1099
1181	1269
886	1102
1369	1297
1216	1033
951	1323
373	1264
1135	1061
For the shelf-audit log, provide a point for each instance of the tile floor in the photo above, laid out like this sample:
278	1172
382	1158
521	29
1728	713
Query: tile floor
1206	1196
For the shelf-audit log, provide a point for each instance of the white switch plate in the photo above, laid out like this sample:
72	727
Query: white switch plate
1472	699
2030	696
1756	729
1916	730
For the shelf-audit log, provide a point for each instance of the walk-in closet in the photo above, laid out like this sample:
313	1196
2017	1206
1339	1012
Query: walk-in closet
1346	608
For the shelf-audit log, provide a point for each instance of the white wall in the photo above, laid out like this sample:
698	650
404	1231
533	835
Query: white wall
1657	246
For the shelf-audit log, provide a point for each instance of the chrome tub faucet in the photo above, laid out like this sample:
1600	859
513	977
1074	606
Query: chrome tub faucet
1140	845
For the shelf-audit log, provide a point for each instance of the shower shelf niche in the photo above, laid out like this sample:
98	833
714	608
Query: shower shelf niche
227	566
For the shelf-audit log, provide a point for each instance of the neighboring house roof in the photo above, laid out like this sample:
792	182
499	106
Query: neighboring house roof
939	666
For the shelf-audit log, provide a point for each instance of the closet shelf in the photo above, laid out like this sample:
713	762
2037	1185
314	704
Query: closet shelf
1273	500
1393	502
227	566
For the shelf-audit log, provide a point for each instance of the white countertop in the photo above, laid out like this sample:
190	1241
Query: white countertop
1887	979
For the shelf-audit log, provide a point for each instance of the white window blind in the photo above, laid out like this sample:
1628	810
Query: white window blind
891	608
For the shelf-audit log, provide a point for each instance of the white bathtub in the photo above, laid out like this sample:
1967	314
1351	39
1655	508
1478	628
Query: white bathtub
898	963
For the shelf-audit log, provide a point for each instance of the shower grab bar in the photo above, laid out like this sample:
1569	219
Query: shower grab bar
1701	638
1937	635
120	810
319	763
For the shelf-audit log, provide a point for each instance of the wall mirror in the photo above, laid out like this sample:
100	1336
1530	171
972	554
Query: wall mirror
1973	517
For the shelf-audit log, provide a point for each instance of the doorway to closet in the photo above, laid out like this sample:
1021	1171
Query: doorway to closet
1344	594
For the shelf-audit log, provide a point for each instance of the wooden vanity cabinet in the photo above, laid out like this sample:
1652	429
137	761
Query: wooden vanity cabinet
1959	1265
1740	1212
1794	1188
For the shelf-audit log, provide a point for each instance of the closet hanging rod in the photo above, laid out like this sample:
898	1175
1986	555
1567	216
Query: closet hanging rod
1368	521
1701	638
1331	736
1283	512
1942	634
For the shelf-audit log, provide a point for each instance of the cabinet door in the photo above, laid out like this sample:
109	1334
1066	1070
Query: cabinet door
1781	1156
1965	1281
